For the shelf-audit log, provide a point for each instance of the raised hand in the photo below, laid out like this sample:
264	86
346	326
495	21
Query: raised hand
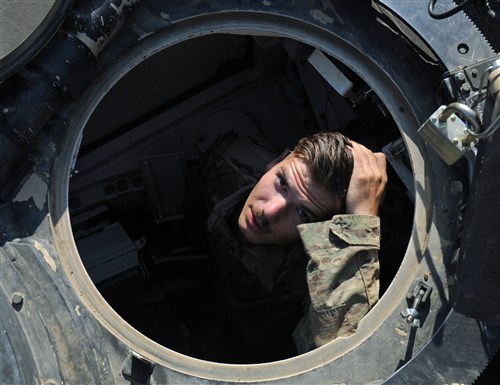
368	181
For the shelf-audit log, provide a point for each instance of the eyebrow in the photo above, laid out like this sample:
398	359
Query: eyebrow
314	216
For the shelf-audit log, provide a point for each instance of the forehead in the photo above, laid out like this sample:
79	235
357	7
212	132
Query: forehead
305	189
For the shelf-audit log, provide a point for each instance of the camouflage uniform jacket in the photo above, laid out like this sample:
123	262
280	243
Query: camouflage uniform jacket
342	273
342	264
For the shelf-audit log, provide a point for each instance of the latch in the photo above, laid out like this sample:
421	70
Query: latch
448	134
419	295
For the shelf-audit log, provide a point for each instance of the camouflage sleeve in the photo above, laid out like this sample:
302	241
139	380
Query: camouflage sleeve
342	273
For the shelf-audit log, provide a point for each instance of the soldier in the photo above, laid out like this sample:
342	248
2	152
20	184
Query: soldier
300	238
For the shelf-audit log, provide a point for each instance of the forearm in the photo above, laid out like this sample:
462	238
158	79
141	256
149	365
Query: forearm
342	273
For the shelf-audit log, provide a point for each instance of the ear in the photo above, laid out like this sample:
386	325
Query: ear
278	159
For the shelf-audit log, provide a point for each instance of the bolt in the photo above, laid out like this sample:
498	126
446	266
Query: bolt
17	300
465	87
460	77
453	117
474	73
444	208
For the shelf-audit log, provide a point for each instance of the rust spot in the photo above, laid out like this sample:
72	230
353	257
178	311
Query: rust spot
401	332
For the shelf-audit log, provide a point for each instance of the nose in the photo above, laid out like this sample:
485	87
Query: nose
275	208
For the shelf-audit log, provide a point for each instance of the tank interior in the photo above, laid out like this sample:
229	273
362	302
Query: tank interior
140	233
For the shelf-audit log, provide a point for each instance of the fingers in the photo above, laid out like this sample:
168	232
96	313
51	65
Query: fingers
368	162
381	159
368	181
381	165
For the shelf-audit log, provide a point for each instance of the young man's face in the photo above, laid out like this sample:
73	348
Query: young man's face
284	197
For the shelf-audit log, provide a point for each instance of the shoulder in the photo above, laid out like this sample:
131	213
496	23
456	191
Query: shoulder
233	162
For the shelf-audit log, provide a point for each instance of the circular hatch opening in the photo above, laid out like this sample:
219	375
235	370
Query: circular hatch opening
137	215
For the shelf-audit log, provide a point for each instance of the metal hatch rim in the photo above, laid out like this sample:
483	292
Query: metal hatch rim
251	23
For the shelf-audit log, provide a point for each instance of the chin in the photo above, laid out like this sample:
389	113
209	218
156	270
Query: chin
250	237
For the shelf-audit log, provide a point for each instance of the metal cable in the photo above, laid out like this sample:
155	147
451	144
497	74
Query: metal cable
490	130
447	13
468	113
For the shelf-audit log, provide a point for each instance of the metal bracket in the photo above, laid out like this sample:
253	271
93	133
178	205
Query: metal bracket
419	295
467	84
137	369
456	41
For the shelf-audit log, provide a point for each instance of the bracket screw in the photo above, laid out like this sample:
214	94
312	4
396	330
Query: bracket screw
460	77
465	87
17	300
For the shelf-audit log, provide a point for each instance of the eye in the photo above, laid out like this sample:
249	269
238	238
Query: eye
304	217
282	181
